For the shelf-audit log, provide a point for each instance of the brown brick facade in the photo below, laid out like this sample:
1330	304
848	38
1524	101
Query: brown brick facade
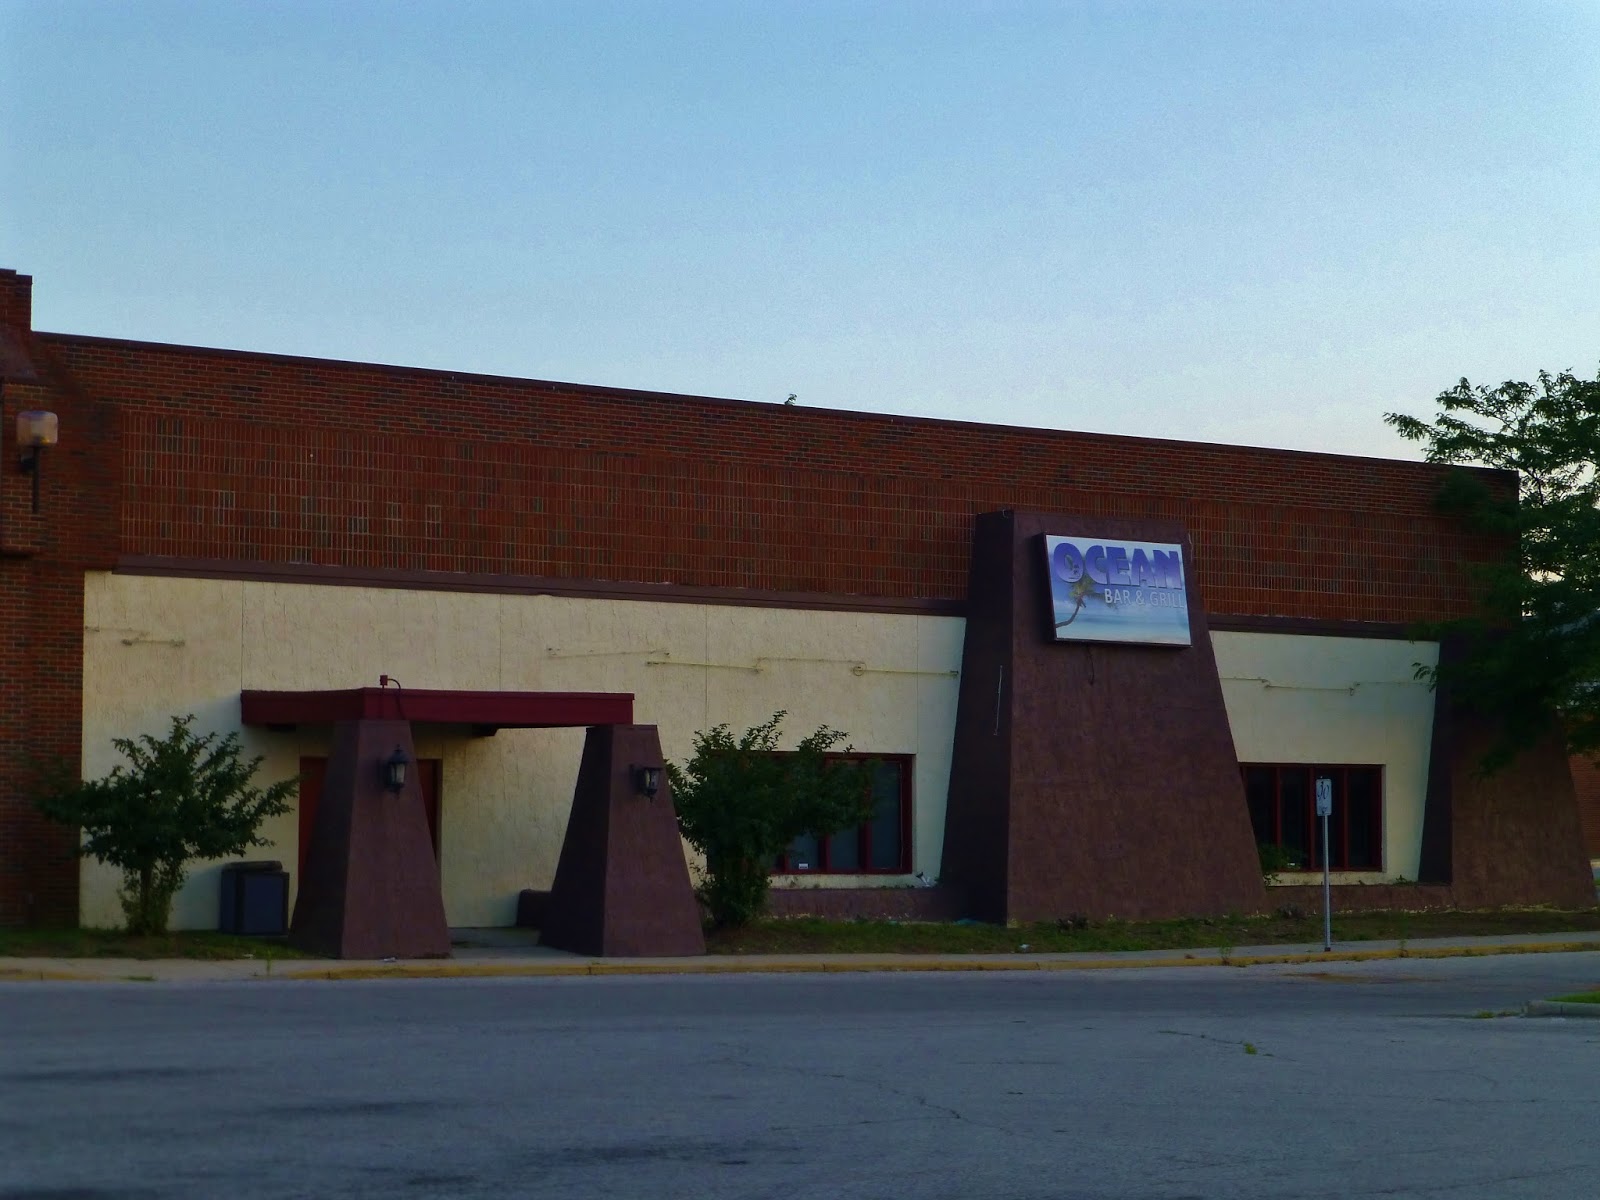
252	457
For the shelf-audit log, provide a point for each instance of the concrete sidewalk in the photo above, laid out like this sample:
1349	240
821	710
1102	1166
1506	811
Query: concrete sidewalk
510	953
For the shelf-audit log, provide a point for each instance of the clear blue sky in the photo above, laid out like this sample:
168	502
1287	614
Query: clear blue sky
1260	223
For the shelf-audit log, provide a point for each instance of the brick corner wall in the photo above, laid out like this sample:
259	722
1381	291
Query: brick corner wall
1586	782
42	561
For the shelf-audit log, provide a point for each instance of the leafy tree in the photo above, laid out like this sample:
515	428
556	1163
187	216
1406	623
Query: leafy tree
1531	656
181	798
740	801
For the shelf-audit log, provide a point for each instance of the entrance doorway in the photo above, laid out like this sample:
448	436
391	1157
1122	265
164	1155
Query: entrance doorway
312	770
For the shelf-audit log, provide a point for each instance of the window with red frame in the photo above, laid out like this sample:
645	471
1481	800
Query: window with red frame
1283	812
880	845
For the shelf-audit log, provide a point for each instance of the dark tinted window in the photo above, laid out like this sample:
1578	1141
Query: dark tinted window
881	844
1282	802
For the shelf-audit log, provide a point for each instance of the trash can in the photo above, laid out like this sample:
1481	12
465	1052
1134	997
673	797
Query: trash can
255	899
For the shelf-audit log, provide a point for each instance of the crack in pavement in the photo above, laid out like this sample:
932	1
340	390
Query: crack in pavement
1248	1047
739	1056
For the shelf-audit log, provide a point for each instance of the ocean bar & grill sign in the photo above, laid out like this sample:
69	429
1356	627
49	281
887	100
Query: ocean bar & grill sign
1104	590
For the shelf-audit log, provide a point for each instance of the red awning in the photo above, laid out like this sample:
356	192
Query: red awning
484	711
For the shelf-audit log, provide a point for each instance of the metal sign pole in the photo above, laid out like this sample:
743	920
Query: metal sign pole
1325	810
1327	891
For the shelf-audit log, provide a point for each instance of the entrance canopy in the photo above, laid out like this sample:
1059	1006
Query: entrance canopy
485	712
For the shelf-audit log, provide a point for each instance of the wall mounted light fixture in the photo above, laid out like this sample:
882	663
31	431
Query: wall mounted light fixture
647	780
36	429
394	771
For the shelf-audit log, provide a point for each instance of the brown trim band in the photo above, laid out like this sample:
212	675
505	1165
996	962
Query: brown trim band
486	710
1395	631
526	585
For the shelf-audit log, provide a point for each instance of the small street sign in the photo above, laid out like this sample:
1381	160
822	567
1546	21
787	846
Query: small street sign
1324	797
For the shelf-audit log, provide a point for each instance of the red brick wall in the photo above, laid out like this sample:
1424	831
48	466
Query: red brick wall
1586	779
42	560
253	457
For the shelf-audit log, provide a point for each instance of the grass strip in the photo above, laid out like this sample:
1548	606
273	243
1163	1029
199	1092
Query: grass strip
811	935
113	943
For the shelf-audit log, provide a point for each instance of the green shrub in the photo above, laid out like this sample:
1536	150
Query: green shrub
1275	859
740	801
181	798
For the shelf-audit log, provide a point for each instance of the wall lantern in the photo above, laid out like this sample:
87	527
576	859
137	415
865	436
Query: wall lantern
394	771
647	780
36	429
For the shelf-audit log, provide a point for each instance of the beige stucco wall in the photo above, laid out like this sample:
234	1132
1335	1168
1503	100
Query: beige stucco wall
1337	700
157	646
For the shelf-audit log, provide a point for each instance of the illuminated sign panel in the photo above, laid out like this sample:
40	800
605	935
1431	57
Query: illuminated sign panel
1114	590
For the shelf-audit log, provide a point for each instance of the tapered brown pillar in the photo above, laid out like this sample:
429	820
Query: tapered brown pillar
1090	778
1511	837
371	884
622	884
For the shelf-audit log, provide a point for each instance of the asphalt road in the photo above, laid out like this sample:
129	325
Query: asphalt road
1371	1079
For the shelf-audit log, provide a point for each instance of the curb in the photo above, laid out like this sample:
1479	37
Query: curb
157	970
1561	1008
887	965
17	975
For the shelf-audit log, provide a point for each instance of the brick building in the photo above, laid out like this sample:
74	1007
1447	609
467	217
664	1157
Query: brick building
214	522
